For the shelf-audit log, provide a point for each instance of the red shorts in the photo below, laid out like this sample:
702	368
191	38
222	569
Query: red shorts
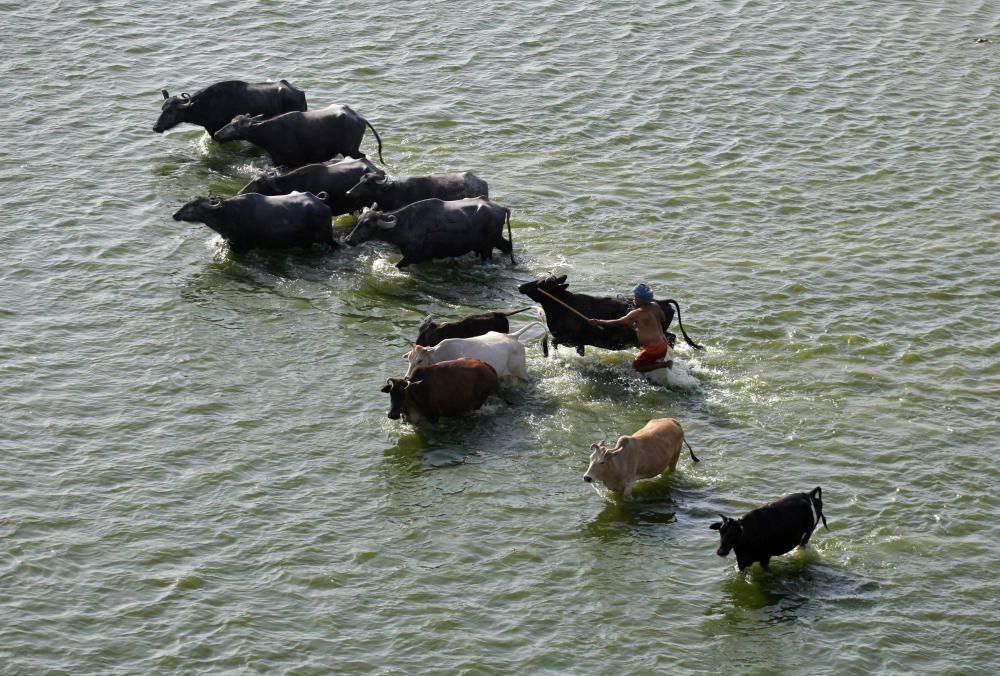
650	354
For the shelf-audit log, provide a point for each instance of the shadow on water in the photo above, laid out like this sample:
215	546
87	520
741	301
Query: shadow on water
272	273
795	586
414	453
449	443
654	502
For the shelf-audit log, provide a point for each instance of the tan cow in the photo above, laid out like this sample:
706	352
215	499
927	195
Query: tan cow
649	452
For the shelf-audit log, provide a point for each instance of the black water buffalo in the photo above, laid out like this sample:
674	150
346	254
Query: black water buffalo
299	138
333	179
446	389
392	194
772	530
569	329
216	105
434	228
255	221
432	333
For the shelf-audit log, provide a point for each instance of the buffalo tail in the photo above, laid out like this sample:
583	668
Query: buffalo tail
681	325
377	138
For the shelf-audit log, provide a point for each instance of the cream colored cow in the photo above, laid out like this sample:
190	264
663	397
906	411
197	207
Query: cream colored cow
649	452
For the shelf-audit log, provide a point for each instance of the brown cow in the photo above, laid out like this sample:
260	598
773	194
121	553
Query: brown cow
446	389
649	452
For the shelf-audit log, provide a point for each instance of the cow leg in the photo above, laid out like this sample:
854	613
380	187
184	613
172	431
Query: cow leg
580	350
628	489
765	561
403	262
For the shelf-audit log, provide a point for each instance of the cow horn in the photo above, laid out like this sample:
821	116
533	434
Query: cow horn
165	94
185	96
387	222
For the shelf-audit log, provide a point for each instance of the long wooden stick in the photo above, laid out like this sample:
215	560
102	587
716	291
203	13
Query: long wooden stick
568	307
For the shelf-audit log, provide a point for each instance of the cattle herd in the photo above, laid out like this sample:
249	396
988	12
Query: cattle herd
454	367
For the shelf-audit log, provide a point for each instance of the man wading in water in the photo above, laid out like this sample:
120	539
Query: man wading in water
647	319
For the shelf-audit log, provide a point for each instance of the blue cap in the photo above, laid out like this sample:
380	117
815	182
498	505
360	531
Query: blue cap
643	293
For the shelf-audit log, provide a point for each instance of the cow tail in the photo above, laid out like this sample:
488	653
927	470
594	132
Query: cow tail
816	495
517	334
545	338
691	451
510	239
377	138
681	325
545	335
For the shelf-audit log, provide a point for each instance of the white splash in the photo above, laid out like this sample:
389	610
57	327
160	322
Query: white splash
678	376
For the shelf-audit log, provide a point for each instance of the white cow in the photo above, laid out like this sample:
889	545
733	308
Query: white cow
503	351
649	452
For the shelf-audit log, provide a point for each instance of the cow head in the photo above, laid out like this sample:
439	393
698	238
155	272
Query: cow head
405	399
237	128
369	188
173	111
730	531
599	457
265	184
550	284
396	389
427	331
418	356
370	222
198	209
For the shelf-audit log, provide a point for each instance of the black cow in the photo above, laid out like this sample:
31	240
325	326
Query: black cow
432	333
772	530
434	228
392	194
569	329
299	138
333	179
446	389
255	221
216	105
